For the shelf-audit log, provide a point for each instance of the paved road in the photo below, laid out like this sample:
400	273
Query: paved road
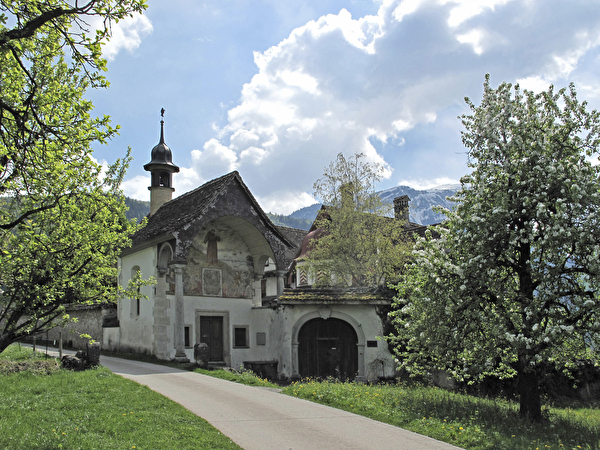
263	419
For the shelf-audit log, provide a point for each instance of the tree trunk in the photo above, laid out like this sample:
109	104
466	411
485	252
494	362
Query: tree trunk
529	392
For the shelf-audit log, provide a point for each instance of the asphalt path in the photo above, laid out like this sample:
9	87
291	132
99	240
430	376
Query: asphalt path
259	418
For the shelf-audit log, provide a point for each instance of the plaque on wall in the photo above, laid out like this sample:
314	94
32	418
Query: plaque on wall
212	282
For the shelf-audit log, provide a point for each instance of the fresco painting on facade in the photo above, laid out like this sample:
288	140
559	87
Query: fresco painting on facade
212	282
211	240
228	273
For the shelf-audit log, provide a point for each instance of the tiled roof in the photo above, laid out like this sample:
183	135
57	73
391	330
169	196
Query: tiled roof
295	236
179	212
379	295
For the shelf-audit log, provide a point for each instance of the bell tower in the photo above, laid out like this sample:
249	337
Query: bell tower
161	168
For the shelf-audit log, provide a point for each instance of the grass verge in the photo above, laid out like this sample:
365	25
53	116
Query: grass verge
92	409
246	377
465	421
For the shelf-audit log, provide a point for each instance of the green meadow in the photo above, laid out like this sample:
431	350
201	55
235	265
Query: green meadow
46	407
462	420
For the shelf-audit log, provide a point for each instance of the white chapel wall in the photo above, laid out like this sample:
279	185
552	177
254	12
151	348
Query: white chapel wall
136	329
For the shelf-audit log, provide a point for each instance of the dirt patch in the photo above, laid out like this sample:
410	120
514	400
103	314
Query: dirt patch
37	367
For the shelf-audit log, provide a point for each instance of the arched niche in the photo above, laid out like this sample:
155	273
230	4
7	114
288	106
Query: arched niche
165	256
261	238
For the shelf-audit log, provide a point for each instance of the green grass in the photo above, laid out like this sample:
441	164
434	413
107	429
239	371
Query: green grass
462	420
238	376
465	421
92	410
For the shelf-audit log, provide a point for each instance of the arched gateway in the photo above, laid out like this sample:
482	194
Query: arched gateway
328	348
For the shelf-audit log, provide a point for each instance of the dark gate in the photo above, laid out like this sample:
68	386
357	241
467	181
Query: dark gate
211	333
328	348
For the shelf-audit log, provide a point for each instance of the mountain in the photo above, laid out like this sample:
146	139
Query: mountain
289	221
137	209
422	201
307	213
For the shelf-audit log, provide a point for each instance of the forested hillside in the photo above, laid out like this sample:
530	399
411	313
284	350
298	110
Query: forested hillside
290	221
137	209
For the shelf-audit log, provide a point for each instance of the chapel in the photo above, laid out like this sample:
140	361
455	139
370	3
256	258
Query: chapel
228	277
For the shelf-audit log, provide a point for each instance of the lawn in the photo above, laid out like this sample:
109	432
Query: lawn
45	407
465	421
75	410
238	376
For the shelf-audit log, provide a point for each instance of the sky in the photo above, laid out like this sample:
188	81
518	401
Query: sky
276	89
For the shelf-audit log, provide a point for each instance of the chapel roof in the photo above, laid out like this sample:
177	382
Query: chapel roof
178	213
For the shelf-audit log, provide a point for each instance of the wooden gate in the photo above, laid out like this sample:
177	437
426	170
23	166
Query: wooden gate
328	348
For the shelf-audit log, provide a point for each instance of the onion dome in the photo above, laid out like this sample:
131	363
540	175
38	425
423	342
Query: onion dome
161	155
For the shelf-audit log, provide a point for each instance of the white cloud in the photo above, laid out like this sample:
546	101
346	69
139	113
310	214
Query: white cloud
137	187
186	180
214	158
466	9
567	62
285	202
127	35
391	86
535	83
406	7
423	184
474	37
253	155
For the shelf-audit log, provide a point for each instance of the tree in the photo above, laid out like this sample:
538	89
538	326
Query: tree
359	244
510	288
61	225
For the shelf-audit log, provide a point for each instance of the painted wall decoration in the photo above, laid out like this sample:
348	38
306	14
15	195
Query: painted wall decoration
212	282
303	277
219	264
211	239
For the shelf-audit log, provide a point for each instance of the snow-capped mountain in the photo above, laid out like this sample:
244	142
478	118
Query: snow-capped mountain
422	201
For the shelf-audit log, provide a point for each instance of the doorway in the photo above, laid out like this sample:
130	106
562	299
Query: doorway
211	333
328	348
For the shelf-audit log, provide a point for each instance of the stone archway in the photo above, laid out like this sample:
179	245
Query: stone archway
327	348
328	343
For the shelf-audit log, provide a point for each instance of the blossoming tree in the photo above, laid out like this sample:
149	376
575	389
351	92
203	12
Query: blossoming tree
511	285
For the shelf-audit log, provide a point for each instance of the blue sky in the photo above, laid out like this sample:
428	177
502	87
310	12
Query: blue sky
276	89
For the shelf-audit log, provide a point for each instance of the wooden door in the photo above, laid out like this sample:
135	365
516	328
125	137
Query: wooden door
211	333
328	348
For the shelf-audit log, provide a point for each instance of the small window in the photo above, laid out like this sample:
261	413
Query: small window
240	337
186	336
261	338
136	306
372	344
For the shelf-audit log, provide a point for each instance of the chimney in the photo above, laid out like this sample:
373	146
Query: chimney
401	208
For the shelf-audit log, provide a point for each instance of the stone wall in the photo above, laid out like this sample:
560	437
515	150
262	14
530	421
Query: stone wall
89	321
